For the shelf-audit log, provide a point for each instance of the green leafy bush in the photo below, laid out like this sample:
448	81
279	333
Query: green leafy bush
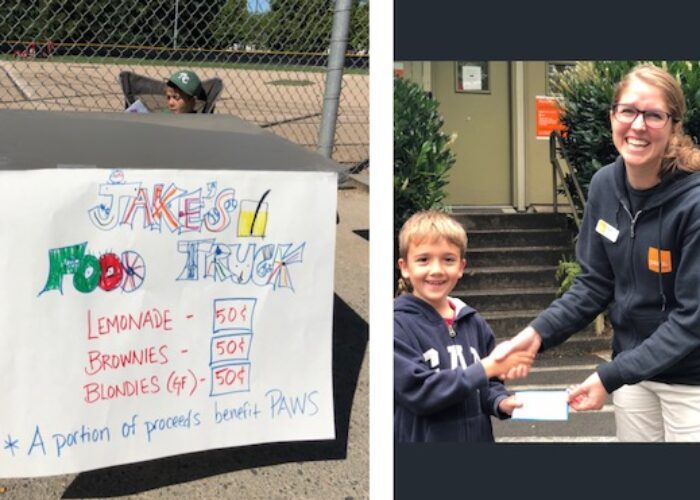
586	96
567	270
422	154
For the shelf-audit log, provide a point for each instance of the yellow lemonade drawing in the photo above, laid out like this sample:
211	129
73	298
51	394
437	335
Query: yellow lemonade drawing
250	224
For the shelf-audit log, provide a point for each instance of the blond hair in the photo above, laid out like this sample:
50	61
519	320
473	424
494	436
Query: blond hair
431	225
681	152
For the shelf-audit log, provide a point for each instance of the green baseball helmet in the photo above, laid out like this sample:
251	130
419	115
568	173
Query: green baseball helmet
188	82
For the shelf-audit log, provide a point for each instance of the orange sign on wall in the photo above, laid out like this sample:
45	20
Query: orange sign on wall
547	110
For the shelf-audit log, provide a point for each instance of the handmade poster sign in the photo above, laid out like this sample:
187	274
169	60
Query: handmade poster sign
147	313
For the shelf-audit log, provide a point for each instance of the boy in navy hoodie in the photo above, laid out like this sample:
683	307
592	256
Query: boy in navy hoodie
445	382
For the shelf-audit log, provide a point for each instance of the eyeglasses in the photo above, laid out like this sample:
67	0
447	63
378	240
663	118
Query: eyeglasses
653	118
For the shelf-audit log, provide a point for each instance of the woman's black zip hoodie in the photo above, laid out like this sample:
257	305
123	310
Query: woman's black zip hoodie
654	302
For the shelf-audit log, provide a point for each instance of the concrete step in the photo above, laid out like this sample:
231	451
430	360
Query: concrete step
481	238
512	221
583	342
553	365
505	324
516	256
564	374
481	278
500	299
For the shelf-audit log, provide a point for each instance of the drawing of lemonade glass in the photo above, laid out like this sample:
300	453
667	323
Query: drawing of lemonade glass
252	220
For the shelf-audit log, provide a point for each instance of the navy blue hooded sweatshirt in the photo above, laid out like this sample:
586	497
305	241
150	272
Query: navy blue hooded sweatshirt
654	302
441	392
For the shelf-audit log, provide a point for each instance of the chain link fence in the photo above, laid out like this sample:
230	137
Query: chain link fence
270	54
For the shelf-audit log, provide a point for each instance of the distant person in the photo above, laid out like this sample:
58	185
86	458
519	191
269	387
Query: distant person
182	90
47	49
445	382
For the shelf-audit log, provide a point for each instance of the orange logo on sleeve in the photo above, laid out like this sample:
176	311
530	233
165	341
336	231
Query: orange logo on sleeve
665	266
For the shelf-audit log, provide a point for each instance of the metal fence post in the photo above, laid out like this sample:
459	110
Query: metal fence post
334	76
177	14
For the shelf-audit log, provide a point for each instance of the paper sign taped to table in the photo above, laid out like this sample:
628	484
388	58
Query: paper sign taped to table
148	313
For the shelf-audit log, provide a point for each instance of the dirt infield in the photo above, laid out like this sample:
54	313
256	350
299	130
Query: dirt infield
289	103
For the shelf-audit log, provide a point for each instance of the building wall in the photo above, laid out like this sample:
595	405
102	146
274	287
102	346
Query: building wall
487	128
482	174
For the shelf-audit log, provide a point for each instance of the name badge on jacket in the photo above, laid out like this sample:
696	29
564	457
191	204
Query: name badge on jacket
608	231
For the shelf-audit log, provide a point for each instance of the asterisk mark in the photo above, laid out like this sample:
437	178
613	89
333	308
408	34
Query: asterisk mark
11	444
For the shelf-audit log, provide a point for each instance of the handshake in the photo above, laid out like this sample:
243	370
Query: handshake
513	358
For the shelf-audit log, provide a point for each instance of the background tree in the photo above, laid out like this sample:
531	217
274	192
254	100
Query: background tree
23	26
359	27
289	25
301	25
586	97
106	22
196	19
231	24
422	155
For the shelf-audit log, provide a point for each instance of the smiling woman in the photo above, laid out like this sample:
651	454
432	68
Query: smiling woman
646	114
638	248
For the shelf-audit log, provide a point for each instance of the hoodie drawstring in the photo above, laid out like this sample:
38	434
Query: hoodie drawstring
661	283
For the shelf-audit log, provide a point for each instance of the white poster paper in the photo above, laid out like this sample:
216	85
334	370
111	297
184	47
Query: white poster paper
147	313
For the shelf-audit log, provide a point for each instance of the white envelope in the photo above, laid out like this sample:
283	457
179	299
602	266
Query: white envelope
542	405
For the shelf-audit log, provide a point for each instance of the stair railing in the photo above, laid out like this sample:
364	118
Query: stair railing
577	204
556	149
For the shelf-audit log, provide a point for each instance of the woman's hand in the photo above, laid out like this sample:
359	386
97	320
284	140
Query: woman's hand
590	395
527	340
507	364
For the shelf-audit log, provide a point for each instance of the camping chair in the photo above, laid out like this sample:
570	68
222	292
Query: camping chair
151	92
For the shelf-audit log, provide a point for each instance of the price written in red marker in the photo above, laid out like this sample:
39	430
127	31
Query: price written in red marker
230	347
230	378
233	315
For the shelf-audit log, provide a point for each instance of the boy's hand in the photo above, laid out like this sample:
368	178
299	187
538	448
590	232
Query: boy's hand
508	404
528	340
496	367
